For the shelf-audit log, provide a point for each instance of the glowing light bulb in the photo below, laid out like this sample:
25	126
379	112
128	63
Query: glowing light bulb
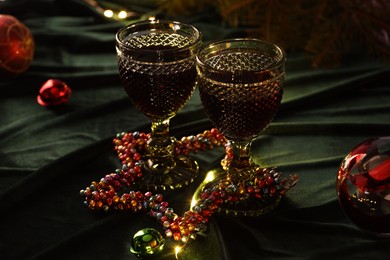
122	14
108	13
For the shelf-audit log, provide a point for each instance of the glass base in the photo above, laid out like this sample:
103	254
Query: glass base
172	174
245	198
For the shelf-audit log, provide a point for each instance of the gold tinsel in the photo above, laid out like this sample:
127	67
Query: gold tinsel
327	29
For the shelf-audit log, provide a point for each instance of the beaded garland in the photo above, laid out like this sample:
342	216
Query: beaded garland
108	193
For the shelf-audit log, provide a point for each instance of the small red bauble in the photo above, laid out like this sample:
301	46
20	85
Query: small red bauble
16	45
53	92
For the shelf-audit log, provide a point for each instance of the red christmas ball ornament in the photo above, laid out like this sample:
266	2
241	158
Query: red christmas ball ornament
16	45
53	92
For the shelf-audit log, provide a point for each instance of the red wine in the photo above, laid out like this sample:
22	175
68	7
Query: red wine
242	101
159	88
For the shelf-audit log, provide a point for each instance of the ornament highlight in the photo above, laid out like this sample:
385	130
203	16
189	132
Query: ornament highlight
363	185
16	44
53	92
147	242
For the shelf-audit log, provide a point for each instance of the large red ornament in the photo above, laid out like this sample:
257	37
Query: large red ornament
53	92
16	45
363	185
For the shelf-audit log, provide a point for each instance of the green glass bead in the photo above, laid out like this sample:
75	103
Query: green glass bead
147	242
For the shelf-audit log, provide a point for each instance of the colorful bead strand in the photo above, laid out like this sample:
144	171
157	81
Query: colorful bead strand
109	193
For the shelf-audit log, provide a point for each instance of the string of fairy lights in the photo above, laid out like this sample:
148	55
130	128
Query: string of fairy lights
122	14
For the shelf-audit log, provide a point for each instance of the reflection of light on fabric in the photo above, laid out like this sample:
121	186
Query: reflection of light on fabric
108	13
177	250
193	202
210	176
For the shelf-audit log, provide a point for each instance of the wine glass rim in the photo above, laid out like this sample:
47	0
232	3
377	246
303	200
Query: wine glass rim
197	39
212	44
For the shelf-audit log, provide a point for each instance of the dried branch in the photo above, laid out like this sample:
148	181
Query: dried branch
325	29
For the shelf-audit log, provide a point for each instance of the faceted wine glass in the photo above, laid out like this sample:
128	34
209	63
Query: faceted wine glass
241	85
157	67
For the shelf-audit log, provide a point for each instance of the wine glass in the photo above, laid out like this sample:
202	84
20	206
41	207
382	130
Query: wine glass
157	67
241	85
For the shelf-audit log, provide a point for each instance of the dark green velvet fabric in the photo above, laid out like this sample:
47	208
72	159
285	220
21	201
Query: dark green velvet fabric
48	154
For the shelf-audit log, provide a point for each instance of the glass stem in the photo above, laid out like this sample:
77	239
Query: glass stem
160	147
240	167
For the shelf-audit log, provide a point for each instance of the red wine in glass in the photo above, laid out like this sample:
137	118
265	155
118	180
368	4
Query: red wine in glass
241	86
156	62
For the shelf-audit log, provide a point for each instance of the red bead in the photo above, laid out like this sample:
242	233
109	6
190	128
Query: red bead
87	192
205	195
159	197
110	193
102	195
174	226
99	204
92	204
176	236
136	156
261	183
139	195
206	213
115	199
95	195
